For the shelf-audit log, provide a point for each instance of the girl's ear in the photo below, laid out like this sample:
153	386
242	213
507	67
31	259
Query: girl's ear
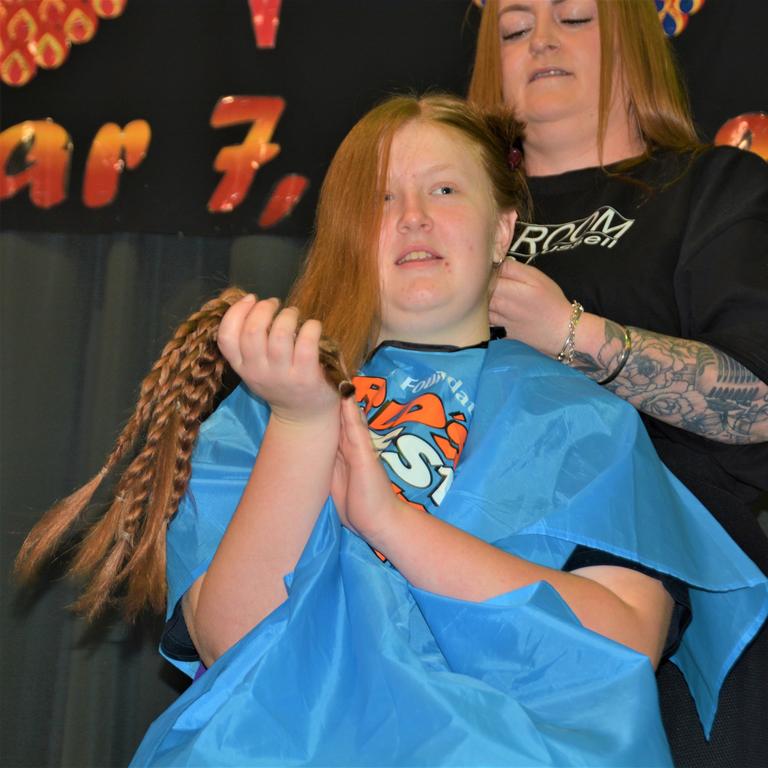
505	229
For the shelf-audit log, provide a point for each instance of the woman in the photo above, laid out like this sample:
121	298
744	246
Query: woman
448	622
663	242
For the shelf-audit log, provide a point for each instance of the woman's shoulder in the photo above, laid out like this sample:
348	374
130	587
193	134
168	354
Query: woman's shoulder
714	165
730	161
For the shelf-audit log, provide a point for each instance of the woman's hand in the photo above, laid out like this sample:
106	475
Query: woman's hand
530	306
686	383
360	487
275	361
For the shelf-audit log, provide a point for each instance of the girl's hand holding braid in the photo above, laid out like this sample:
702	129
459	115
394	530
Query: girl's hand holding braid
290	480
278	360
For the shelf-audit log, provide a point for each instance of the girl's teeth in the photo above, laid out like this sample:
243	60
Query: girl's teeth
415	256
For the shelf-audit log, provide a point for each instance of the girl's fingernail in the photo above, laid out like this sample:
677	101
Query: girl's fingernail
346	389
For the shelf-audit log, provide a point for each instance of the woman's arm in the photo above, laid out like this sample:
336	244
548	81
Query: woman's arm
685	383
289	483
624	605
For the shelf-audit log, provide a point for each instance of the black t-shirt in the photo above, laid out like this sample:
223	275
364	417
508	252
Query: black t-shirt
684	254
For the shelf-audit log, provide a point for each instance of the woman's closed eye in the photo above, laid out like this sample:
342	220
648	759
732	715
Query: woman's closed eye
515	34
577	22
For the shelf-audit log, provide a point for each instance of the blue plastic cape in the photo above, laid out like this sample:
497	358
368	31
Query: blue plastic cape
357	667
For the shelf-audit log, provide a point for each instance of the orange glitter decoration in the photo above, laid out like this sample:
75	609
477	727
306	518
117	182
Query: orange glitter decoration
40	33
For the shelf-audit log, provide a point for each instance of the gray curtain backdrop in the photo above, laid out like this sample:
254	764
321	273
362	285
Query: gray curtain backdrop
82	319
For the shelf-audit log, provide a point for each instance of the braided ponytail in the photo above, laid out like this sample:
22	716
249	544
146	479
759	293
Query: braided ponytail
124	551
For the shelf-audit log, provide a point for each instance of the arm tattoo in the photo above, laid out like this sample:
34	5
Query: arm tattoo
684	383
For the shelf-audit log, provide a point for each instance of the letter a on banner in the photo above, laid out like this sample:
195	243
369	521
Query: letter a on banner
35	154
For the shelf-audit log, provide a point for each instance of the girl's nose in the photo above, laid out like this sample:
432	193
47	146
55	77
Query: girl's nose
414	215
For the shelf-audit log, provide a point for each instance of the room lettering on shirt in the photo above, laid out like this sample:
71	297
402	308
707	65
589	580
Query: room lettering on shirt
604	228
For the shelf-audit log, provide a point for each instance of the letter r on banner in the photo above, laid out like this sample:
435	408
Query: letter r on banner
113	149
240	162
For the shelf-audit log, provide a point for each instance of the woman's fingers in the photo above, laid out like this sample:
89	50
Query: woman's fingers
516	270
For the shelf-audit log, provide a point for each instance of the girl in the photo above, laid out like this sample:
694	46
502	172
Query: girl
508	602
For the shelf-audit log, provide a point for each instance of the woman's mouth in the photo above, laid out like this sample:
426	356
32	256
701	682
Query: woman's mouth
540	74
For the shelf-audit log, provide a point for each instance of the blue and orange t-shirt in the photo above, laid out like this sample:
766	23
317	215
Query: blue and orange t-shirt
418	401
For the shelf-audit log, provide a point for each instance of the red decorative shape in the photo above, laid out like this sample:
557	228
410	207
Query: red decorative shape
81	24
748	131
674	14
52	11
108	9
284	198
265	17
51	47
21	26
17	67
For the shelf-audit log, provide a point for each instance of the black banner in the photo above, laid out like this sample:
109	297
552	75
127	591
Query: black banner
219	117
164	70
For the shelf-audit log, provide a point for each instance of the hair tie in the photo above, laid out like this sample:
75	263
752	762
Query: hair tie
514	158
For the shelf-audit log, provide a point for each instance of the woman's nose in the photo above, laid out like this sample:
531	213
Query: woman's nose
544	37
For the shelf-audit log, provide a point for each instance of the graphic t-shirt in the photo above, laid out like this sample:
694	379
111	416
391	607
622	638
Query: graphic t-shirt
419	409
683	253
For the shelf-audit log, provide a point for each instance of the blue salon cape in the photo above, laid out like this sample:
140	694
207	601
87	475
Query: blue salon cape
359	668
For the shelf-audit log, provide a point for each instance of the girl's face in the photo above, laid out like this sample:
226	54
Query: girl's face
550	59
440	234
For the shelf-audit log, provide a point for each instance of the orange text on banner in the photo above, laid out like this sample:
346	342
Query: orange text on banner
35	154
284	198
240	162
112	150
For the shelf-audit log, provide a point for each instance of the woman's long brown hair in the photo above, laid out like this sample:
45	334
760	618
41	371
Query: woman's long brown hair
123	553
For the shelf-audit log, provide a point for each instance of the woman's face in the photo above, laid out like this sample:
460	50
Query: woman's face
550	59
440	234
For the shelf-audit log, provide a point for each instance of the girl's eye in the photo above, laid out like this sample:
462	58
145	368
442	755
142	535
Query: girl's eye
444	189
388	197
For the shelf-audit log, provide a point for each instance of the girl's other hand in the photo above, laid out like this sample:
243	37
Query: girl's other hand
277	360
360	487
